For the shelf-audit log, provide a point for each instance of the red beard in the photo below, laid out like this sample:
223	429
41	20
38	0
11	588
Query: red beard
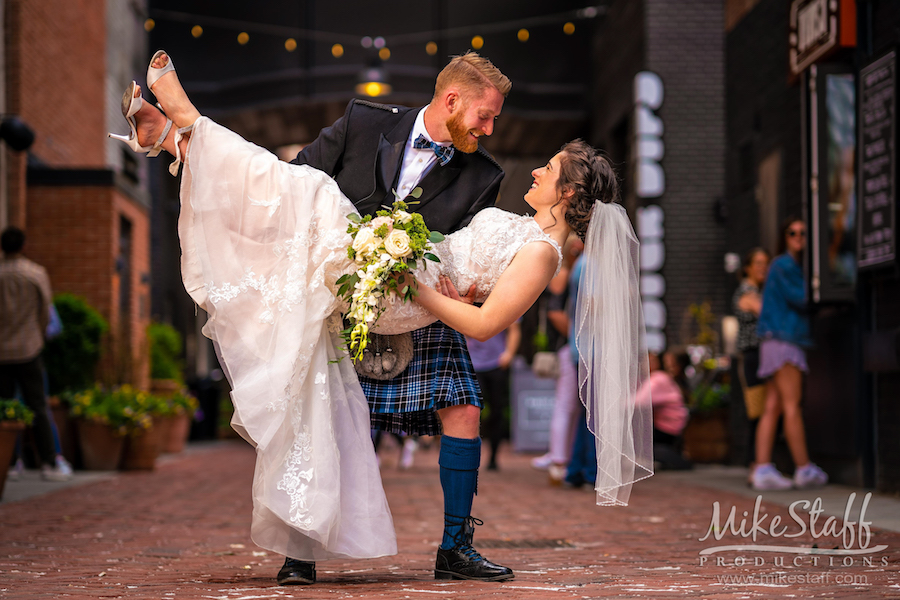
459	134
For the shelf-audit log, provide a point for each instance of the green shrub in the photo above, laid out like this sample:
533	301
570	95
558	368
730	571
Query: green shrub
165	352
71	358
124	408
13	410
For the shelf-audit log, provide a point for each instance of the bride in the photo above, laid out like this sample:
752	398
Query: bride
263	243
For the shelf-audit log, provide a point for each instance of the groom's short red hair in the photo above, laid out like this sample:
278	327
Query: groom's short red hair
473	73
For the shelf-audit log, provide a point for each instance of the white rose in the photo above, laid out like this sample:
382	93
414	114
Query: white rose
403	216
365	241
397	244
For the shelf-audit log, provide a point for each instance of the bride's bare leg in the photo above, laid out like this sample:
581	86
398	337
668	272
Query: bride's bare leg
172	96
150	125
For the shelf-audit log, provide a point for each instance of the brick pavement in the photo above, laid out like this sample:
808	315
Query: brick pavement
183	532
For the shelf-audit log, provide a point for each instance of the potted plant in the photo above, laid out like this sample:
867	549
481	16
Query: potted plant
71	360
706	434
14	417
104	418
165	359
142	441
176	421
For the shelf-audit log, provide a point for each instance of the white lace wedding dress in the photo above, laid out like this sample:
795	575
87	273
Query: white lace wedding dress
262	243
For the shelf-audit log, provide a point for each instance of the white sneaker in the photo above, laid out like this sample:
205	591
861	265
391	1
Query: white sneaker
810	476
767	477
49	473
410	445
63	465
17	471
542	463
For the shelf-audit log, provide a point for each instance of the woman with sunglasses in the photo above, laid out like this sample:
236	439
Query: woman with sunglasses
783	330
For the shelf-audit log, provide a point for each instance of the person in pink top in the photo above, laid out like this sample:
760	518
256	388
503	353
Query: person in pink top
666	389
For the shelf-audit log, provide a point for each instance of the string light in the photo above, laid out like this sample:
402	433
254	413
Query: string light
523	34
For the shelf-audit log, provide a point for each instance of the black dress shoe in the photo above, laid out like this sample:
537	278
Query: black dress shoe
464	562
297	572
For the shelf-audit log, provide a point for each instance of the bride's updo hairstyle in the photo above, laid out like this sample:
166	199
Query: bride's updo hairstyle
590	176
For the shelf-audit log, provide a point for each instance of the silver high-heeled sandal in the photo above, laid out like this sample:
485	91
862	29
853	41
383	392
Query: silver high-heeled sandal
153	74
131	104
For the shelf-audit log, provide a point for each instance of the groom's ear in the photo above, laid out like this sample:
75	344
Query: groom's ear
452	100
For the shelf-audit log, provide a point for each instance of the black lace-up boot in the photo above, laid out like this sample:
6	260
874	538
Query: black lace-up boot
297	572
463	561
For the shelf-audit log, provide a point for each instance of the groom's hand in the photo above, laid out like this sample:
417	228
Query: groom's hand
446	287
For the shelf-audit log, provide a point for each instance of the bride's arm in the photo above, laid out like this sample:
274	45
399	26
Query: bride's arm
516	290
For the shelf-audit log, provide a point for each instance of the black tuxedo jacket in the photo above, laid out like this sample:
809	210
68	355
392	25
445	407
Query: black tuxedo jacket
363	151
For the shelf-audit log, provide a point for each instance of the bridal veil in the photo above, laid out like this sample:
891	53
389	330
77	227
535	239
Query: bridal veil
613	364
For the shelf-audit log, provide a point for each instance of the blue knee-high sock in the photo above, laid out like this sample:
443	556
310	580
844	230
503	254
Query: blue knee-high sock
459	460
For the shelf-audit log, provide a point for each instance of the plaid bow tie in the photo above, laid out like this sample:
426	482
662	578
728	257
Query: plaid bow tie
444	153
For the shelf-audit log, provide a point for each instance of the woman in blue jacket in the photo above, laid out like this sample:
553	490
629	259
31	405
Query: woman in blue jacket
783	330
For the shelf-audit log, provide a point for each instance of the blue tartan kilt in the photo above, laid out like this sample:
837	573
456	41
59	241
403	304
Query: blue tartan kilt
440	374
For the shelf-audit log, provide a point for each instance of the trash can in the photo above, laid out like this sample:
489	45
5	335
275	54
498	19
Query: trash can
532	406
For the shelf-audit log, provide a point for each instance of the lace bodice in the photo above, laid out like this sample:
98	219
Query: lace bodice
477	254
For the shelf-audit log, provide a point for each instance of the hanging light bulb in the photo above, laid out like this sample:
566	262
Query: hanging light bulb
477	42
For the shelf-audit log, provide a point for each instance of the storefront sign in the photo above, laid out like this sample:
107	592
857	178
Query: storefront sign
650	182
817	28
877	162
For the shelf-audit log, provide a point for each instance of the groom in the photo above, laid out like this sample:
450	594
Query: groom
370	151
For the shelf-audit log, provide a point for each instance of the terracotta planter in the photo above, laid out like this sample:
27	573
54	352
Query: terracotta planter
164	387
141	450
101	445
8	432
706	437
176	433
65	425
163	426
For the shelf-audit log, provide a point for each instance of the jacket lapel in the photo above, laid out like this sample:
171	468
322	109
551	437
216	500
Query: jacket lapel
391	147
437	179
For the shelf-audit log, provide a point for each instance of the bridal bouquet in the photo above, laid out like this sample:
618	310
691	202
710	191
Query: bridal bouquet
383	247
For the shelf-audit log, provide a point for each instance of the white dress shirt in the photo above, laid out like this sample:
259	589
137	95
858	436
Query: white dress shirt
416	161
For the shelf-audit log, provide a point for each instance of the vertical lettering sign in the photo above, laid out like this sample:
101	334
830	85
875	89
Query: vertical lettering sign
814	29
877	162
650	183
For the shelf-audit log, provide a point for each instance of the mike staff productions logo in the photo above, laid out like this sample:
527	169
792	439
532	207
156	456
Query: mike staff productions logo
837	542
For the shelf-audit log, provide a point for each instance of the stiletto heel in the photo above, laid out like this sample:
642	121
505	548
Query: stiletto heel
131	104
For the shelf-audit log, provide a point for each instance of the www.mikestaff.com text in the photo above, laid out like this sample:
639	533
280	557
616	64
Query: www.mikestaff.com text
794	579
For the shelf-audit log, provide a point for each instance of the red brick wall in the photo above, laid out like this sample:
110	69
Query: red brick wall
139	309
74	232
57	77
